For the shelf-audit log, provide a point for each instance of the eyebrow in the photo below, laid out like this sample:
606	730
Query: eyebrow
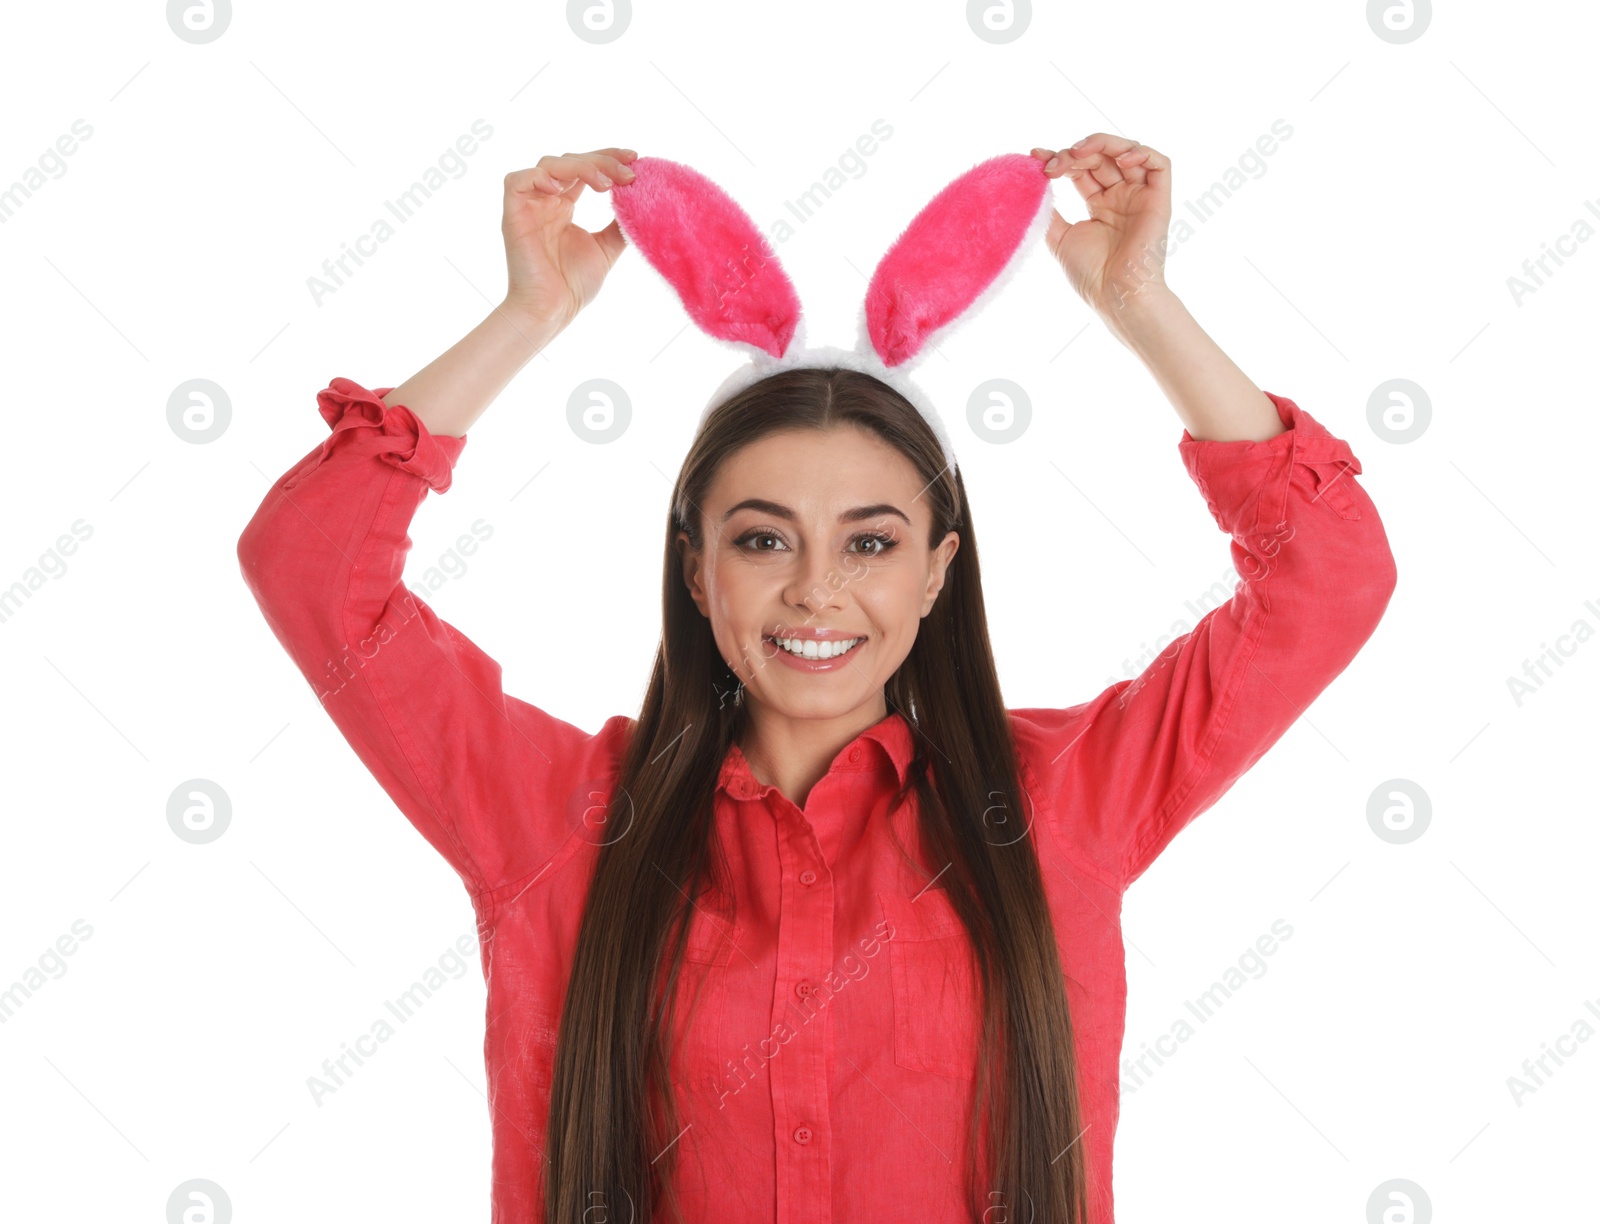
854	515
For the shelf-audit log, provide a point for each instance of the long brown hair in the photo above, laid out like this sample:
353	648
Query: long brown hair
612	1114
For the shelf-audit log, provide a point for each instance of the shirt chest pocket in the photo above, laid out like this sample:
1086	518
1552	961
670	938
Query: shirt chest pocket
713	935
934	979
703	993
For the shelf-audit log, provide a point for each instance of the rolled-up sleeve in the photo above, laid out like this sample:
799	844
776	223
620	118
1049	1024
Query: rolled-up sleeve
497	786
1123	774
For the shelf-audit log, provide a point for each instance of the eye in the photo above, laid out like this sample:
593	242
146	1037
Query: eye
883	543
758	533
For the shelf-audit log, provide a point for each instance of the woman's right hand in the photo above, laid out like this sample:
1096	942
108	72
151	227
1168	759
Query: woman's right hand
553	267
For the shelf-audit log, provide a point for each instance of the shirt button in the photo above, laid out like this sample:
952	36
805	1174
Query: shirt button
803	988
802	1134
855	754
808	876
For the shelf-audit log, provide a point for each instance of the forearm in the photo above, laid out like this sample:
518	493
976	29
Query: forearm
452	391
1212	396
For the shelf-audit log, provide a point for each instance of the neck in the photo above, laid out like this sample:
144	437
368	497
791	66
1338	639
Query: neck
794	753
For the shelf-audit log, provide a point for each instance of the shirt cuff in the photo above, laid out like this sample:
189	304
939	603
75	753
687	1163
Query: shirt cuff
1246	484
406	444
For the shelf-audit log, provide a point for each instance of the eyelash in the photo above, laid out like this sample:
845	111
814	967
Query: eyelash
886	543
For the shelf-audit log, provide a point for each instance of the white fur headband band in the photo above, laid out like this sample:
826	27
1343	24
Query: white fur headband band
956	254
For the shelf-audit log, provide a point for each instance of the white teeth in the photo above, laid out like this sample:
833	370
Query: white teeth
812	649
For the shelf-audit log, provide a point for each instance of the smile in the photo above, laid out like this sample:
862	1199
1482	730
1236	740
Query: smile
810	648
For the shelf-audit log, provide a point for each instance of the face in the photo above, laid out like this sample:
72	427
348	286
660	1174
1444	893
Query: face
808	534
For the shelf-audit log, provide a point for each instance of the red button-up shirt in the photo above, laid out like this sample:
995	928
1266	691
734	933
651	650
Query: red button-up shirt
827	1070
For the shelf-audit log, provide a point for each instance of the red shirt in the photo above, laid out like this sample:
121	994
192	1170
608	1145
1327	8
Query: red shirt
827	1073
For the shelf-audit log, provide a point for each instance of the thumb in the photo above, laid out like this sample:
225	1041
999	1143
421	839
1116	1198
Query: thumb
611	242
1056	233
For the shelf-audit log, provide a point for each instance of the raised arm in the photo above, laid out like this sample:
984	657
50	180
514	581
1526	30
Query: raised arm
496	785
1121	775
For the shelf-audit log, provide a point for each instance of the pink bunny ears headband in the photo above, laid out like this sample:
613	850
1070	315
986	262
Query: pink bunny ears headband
956	254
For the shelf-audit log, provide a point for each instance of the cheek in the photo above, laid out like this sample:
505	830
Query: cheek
735	599
892	600
740	600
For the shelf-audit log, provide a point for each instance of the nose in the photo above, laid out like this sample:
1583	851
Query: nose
816	582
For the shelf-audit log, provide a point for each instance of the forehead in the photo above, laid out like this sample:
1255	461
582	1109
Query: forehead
818	473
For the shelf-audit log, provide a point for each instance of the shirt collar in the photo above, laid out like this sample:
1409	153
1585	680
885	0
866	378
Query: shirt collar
889	739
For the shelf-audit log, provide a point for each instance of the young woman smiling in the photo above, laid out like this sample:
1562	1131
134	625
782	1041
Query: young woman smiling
818	935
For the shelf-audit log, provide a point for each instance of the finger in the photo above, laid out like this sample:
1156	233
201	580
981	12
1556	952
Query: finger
1059	162
611	163
1062	163
1055	160
1131	163
541	180
1102	142
1093	173
621	156
530	179
1157	170
566	188
576	165
1088	186
1115	162
614	162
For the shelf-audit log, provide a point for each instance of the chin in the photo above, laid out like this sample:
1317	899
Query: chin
810	705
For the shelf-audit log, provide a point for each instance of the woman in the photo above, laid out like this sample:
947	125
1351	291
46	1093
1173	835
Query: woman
813	939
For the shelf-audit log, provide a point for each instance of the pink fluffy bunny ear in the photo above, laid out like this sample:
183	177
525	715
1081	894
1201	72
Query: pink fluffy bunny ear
954	253
710	251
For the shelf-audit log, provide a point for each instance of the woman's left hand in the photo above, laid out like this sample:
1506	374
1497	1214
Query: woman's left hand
1119	254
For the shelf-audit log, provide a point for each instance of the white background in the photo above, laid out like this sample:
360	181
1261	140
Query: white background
1376	244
